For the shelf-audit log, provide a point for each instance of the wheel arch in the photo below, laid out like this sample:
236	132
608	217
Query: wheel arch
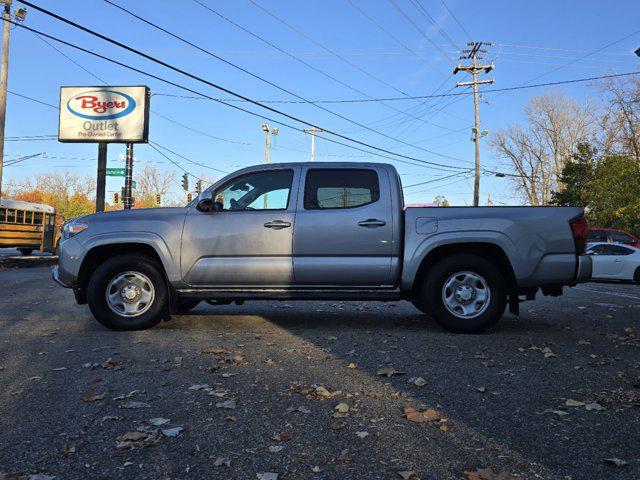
487	250
98	254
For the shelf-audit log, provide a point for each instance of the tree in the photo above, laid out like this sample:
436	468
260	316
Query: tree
576	177
555	125
614	192
151	182
621	120
68	193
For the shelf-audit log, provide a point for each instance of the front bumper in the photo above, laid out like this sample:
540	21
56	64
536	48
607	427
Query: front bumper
585	268
55	274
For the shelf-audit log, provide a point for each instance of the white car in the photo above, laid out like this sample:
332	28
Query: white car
614	261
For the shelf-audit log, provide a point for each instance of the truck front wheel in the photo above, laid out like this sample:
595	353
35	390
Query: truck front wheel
465	293
128	292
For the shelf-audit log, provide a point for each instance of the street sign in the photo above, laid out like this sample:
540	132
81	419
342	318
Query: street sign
104	114
115	172
133	184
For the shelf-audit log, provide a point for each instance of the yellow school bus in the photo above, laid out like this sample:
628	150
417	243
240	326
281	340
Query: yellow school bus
28	226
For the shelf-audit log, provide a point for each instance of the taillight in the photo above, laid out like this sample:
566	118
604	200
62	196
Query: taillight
579	230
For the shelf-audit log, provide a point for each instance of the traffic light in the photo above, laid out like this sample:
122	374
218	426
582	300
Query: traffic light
189	197
158	199
116	197
199	187
185	182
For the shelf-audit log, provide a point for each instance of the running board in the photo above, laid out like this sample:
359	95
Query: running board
289	294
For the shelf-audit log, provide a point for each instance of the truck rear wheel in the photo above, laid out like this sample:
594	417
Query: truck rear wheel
128	292
465	293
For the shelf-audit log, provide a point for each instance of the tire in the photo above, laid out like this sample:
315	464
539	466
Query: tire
636	275
420	306
25	251
462	278
138	275
185	305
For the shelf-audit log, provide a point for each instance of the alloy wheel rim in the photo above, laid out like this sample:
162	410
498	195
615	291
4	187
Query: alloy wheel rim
130	294
466	294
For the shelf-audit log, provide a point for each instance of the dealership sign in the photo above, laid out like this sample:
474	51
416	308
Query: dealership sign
104	114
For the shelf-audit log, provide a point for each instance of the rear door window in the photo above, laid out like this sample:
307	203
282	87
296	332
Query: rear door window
340	188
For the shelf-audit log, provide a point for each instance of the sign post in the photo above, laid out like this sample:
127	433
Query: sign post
106	115
127	198
102	176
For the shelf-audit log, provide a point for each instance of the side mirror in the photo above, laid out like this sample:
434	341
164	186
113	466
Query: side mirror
205	202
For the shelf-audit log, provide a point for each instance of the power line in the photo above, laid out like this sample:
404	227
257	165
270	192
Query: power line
262	79
190	160
414	25
464	30
307	64
195	77
423	11
438	179
440	95
30	98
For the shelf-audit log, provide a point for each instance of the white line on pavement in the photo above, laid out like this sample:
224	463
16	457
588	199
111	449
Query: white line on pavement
624	295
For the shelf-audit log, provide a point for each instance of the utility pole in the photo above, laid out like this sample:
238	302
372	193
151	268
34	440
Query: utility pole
127	198
268	131
4	72
475	69
313	132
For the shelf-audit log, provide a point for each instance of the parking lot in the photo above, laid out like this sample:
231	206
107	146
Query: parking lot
319	390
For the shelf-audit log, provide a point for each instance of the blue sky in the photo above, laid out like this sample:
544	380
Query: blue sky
532	39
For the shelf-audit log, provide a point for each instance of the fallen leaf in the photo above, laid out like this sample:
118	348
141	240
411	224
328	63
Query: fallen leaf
267	476
220	461
428	415
133	405
560	413
351	365
133	440
315	469
573	403
408	474
300	409
108	418
480	474
158	421
230	404
616	462
341	408
417	381
482	389
172	432
389	372
323	392
199	386
546	351
89	396
283	436
362	434
594	406
276	448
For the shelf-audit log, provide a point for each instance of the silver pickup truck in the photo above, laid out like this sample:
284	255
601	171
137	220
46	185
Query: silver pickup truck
303	231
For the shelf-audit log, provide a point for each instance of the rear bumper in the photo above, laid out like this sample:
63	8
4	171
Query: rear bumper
585	268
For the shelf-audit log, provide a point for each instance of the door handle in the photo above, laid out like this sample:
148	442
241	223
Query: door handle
372	222
277	224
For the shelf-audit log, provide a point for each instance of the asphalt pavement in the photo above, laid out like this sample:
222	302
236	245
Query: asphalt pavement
319	390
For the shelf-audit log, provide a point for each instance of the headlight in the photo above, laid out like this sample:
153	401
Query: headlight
71	229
